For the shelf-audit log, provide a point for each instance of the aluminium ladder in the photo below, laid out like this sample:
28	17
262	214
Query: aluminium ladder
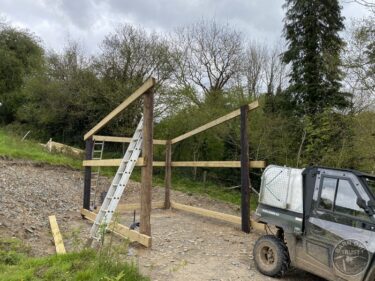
97	154
119	182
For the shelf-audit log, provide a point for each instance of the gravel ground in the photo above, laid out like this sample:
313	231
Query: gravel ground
185	246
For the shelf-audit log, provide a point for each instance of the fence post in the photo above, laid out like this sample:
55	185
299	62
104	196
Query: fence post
168	174
245	180
87	181
147	153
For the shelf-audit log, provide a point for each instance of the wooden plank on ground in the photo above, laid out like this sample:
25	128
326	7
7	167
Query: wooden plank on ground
122	139
213	123
59	243
206	213
259	227
135	206
121	230
139	92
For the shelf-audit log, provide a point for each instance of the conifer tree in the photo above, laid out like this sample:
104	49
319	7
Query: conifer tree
312	32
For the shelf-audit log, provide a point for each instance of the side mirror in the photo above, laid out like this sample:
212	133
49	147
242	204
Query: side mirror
361	203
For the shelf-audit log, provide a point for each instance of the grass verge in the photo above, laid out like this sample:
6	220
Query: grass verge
87	265
11	146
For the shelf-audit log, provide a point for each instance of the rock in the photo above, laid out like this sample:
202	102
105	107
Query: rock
29	230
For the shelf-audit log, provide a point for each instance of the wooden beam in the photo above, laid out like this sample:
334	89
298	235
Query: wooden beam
217	164
203	164
206	213
59	243
260	227
121	230
245	165
139	92
214	123
109	162
168	175
147	154
122	139
136	206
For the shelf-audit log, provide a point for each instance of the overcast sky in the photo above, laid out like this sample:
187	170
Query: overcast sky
88	21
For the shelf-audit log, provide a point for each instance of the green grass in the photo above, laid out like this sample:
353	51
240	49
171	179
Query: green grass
16	264
11	146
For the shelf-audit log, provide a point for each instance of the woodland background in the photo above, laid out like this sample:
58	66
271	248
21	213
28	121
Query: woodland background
316	88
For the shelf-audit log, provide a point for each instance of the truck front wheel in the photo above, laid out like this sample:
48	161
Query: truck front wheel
271	256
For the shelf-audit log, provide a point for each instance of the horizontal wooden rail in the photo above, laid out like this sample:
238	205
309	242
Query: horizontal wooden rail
202	164
139	92
122	139
216	215
217	164
213	123
122	230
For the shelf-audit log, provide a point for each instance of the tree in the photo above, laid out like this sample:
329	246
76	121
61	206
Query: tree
63	101
20	57
359	63
129	56
208	55
312	33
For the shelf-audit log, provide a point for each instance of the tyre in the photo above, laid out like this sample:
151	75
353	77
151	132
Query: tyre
271	256
371	273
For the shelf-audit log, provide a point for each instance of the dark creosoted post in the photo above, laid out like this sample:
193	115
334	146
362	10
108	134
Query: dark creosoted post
245	180
87	182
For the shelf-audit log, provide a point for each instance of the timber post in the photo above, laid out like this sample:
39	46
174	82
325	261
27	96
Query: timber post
87	181
168	174
147	153
245	180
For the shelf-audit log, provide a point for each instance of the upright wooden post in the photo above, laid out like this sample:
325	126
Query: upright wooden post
168	174
245	180
87	182
147	153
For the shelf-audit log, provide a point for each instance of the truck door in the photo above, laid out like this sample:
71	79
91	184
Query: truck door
338	231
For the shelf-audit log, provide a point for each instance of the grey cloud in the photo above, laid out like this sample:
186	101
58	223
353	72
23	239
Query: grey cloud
88	21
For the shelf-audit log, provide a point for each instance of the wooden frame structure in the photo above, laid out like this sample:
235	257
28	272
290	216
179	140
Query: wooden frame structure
147	164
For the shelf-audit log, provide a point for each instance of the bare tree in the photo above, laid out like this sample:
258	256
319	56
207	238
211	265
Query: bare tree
359	63
132	53
275	71
208	55
254	66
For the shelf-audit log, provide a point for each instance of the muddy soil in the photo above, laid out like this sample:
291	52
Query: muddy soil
185	246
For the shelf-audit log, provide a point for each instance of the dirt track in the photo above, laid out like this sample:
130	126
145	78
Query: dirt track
185	246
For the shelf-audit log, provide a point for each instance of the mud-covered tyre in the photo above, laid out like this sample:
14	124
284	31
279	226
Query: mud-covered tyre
271	256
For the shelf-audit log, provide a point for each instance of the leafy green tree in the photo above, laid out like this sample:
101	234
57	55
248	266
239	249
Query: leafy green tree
20	57
312	33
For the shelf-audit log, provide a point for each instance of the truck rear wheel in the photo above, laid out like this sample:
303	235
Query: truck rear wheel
271	256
